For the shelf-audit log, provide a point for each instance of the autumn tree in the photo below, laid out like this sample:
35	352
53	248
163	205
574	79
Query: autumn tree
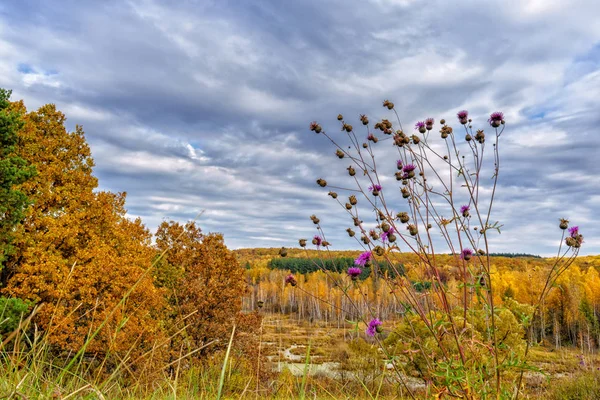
13	171
204	284
76	252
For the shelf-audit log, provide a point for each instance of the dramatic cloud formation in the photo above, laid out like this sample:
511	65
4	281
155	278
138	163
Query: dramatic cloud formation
197	105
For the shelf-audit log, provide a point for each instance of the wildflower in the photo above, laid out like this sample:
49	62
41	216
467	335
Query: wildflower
420	126
496	119
429	123
463	116
574	231
291	279
363	259
375	189
317	240
409	171
374	327
464	210
354	272
386	235
466	254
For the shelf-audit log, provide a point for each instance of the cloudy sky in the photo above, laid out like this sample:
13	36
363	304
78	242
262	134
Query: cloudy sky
205	105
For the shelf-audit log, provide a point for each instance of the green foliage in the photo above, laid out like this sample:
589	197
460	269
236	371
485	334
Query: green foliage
339	264
13	171
12	311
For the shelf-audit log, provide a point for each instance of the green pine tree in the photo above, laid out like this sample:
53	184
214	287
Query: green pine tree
13	171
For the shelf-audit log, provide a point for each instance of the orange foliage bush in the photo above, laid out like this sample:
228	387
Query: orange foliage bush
77	253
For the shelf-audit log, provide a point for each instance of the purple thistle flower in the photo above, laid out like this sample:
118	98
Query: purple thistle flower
420	125
429	123
354	272
291	279
363	258
496	118
466	254
317	240
385	235
463	116
375	187
373	327
574	231
464	210
408	168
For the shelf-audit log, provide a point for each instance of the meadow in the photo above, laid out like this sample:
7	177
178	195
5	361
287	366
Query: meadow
94	305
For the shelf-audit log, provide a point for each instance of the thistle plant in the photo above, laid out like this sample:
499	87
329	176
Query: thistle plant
435	200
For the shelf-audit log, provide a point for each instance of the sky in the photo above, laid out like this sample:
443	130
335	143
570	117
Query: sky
205	105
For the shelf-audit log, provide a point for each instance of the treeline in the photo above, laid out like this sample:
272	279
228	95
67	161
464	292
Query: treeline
514	255
569	316
338	264
94	277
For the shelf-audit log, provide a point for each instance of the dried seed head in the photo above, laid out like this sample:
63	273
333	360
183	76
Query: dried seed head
390	105
373	234
364	119
340	117
391	237
564	224
291	280
442	121
325	243
333	194
412	229
260	303
365	145
302	242
321	182
399	175
468	138
365	239
351	171
481	252
339	153
352	200
480	136
348	206
283	252
415	139
385	227
314	219
357	221
403	217
405	193
378	250
351	233
372	138
347	128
